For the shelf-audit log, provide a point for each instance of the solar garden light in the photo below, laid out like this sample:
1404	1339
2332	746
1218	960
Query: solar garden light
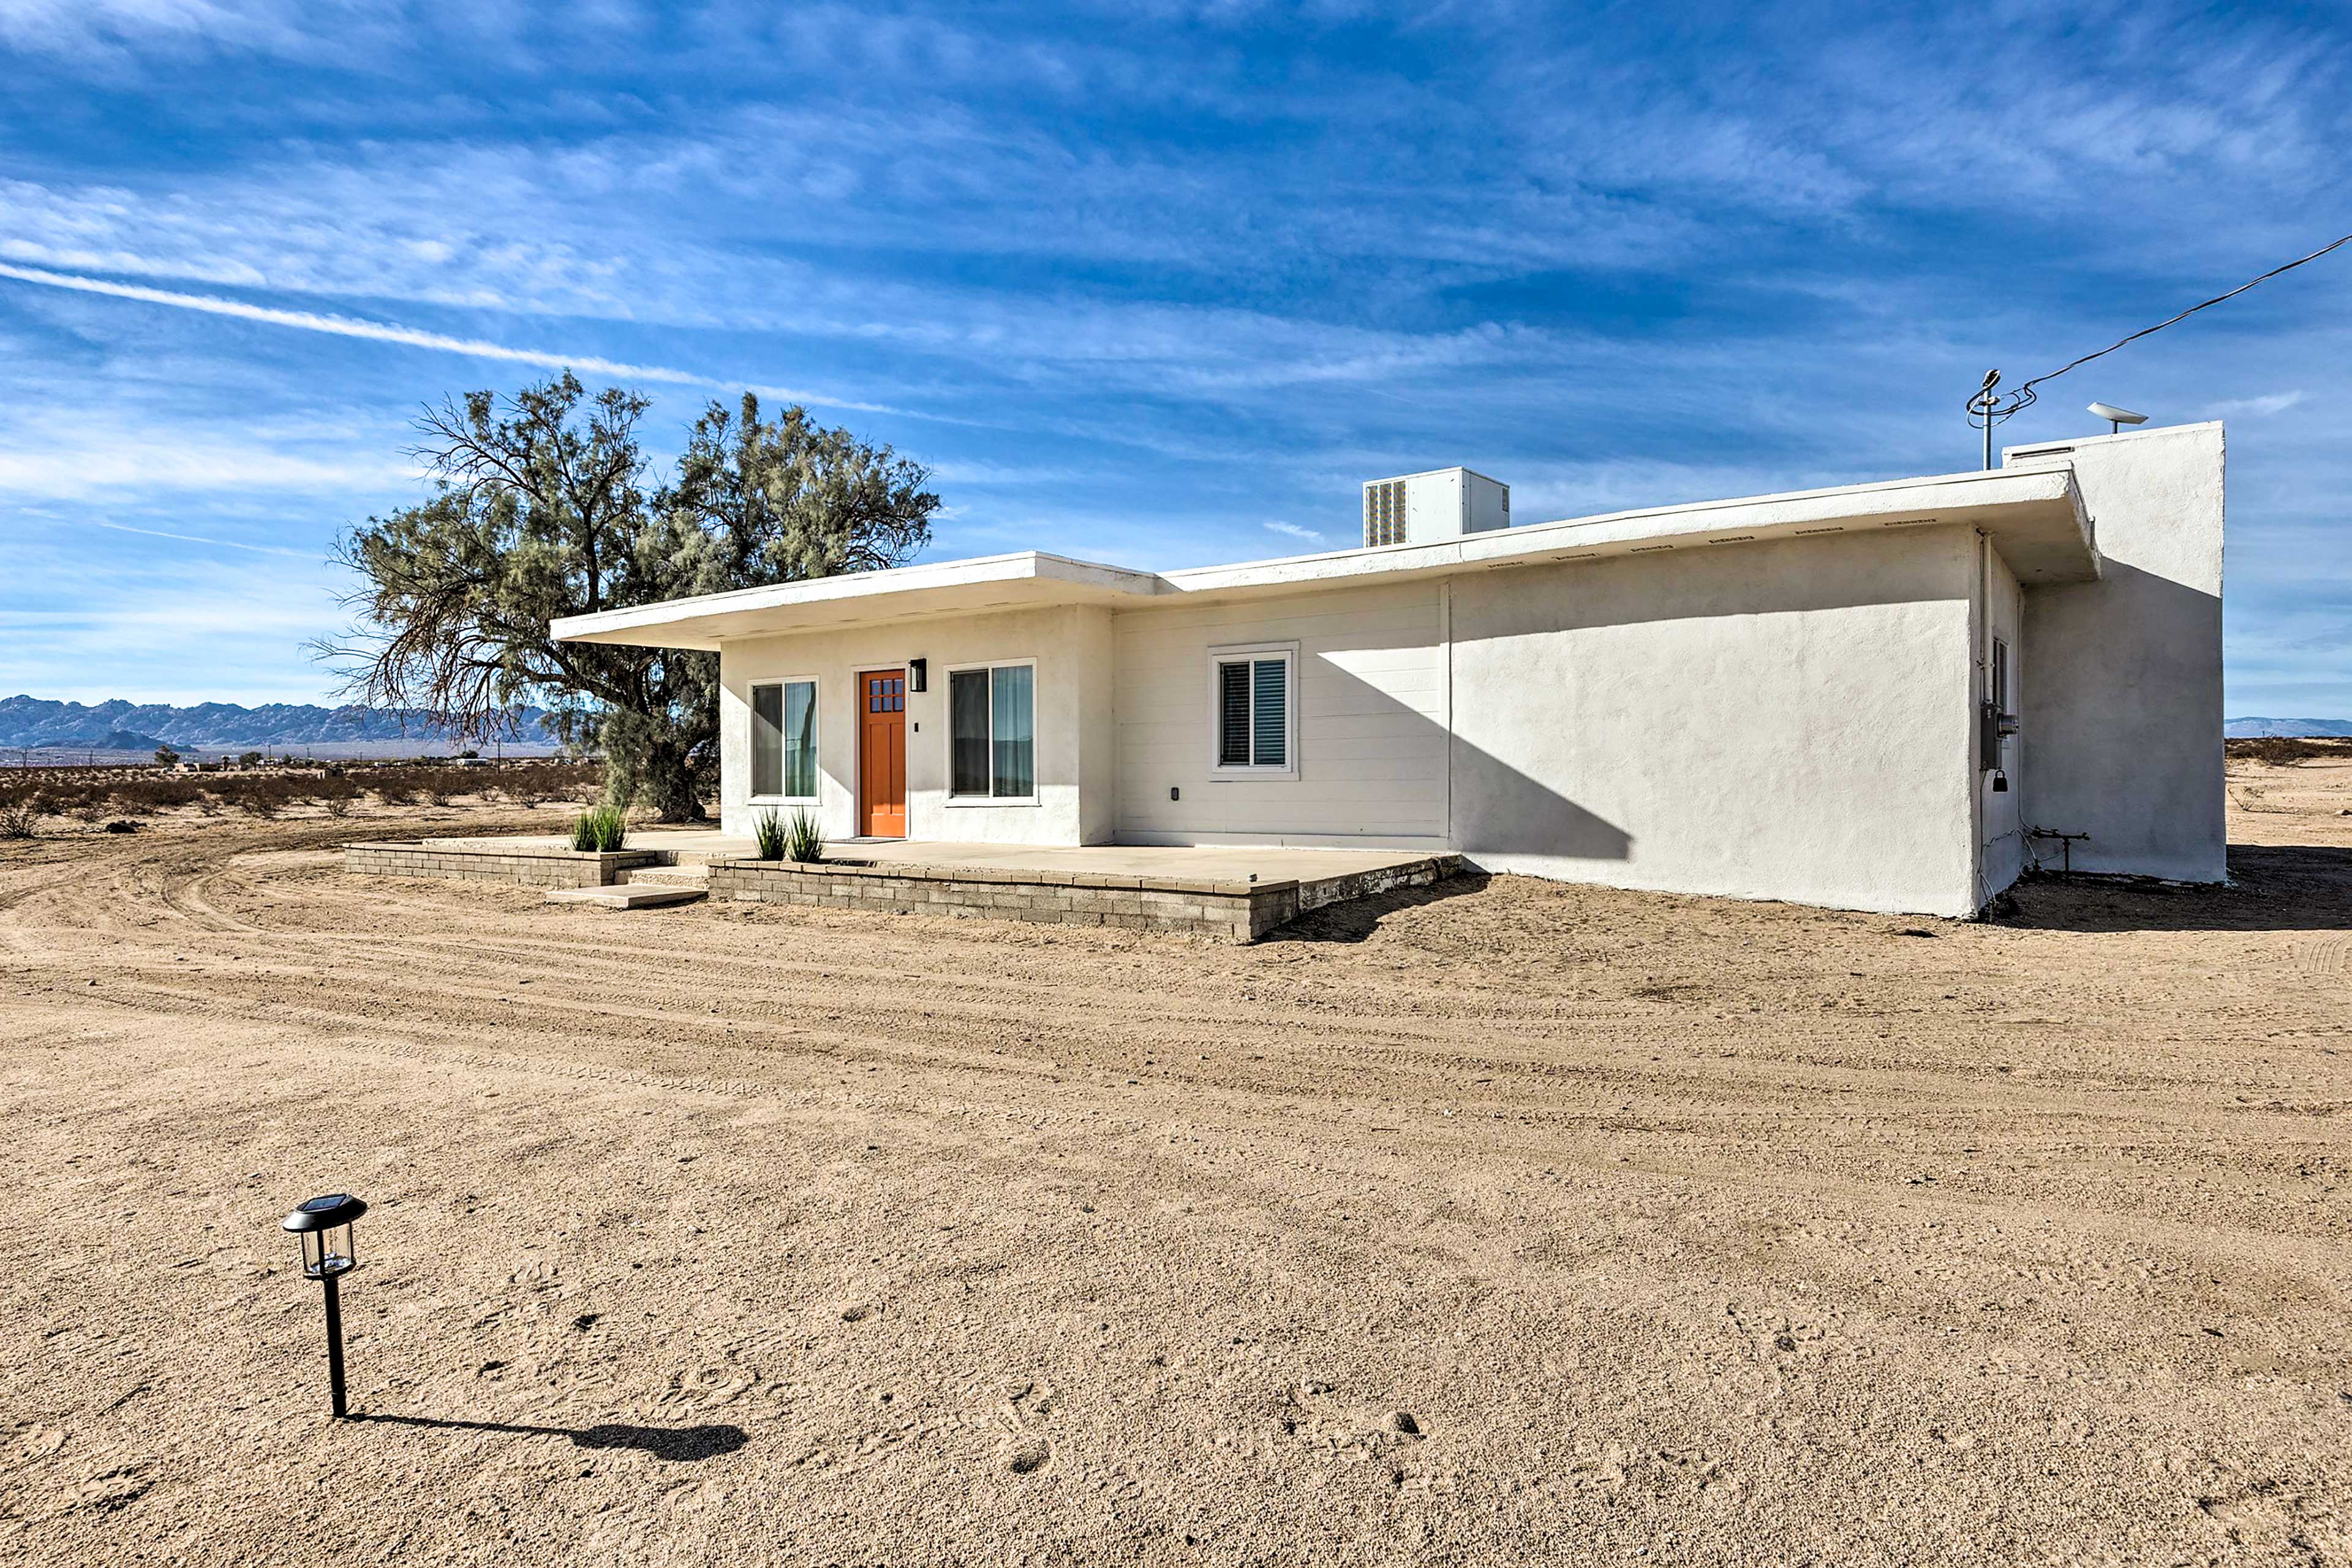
324	1227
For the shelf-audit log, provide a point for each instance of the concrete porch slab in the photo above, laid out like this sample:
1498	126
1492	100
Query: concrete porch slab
1192	864
1229	892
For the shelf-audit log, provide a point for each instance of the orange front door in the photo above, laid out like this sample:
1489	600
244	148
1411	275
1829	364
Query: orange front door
882	753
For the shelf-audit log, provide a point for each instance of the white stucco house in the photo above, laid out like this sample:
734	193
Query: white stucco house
1863	698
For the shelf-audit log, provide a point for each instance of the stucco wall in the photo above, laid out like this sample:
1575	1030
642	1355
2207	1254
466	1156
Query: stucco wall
2124	706
1371	721
1072	647
1778	721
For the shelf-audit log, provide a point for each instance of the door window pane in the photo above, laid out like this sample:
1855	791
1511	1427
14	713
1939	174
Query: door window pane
767	738
1015	729
968	731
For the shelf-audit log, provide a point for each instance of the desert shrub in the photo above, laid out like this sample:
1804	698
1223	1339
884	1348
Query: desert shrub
804	840
769	832
336	793
2280	750
138	797
263	797
392	792
18	818
603	828
435	788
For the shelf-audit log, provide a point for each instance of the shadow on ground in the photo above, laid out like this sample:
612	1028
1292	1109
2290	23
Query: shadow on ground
2271	887
678	1444
1358	919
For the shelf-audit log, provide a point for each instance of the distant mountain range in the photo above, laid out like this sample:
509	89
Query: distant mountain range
120	726
2320	729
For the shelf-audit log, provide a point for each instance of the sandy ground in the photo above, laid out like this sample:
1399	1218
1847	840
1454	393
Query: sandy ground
1497	1223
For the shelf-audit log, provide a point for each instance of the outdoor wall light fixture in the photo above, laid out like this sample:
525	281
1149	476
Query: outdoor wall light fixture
917	673
323	1229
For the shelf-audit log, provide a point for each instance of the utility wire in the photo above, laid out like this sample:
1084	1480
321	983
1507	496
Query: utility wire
1983	406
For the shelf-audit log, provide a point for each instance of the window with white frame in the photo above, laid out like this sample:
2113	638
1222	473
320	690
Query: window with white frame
1254	698
783	740
992	733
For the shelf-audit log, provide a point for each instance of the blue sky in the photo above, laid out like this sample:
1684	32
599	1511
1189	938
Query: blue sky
1154	283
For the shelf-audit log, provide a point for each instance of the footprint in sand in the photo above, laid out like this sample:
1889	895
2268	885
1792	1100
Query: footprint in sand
1027	1458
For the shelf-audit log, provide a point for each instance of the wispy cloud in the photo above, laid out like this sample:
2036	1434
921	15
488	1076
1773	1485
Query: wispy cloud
1292	530
199	539
2272	402
76	455
409	337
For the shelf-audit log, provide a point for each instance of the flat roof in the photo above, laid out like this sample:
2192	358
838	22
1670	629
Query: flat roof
2034	517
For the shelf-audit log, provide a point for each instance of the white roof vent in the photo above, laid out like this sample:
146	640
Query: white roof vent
1443	503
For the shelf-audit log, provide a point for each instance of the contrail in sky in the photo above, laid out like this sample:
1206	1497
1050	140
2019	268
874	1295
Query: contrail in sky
410	336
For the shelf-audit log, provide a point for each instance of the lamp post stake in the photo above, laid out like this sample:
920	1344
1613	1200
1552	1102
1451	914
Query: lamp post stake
335	1345
324	1229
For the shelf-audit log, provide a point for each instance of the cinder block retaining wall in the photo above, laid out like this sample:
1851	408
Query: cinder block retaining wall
1237	911
530	868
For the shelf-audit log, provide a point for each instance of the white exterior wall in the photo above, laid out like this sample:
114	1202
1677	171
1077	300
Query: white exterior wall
1778	721
1372	718
1074	751
2124	708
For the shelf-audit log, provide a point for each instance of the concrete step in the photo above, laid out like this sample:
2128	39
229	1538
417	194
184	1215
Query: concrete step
628	896
695	876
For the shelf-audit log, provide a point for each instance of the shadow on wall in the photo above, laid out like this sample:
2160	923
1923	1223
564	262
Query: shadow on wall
1341	707
1520	814
1738	680
2119	742
1706	691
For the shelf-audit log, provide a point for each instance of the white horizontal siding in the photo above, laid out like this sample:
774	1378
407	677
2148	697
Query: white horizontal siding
1371	698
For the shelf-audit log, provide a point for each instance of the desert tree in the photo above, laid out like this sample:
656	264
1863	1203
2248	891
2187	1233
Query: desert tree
542	507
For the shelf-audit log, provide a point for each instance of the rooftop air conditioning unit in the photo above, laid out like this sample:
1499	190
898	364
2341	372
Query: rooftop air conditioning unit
1443	503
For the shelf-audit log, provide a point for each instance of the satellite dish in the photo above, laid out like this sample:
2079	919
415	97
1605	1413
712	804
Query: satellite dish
2119	418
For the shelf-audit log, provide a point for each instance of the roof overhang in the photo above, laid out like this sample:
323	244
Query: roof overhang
1028	581
2036	520
2034	517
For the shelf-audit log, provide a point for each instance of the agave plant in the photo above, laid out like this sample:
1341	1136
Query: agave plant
770	832
803	840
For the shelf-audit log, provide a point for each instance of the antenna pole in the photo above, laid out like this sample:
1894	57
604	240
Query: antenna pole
1981	406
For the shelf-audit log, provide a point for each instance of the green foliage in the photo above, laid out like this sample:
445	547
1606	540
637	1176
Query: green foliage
541	509
166	758
804	840
600	828
770	832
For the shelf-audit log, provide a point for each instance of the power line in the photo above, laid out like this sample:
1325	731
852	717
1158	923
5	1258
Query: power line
1985	410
